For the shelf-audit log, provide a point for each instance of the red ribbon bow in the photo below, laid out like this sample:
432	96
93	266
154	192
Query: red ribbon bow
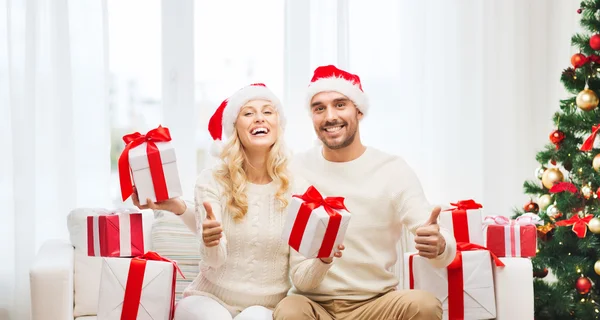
563	186
135	280
465	205
589	142
312	200
579	224
456	303
160	134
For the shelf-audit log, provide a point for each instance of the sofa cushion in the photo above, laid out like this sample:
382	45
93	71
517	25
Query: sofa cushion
172	239
87	269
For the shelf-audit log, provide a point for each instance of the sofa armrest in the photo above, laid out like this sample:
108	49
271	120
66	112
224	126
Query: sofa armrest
51	281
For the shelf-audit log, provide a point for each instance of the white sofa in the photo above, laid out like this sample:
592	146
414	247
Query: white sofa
65	281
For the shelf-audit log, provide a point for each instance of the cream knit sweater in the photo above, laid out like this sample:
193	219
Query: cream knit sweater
250	264
383	196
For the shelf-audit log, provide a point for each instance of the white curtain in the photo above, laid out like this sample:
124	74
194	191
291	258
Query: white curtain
53	127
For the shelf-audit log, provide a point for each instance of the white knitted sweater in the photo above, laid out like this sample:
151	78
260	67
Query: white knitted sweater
250	265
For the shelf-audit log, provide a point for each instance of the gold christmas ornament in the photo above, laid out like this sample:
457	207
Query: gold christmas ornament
551	176
586	191
587	100
597	267
596	163
544	201
552	211
594	225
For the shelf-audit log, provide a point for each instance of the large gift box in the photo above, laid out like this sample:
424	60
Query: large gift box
117	234
465	221
141	288
151	160
465	287
512	238
315	226
514	289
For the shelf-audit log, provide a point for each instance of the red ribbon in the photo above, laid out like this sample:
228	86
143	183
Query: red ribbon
312	199
456	303
160	134
135	279
563	186
588	144
579	224
460	223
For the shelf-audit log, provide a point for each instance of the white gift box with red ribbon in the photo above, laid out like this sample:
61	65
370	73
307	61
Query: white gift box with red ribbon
512	238
465	221
315	226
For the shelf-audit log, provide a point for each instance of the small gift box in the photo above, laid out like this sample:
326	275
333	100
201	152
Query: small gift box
512	238
151	160
465	287
315	225
140	288
117	234
465	221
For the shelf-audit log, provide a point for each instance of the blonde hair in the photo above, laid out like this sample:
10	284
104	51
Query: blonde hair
231	174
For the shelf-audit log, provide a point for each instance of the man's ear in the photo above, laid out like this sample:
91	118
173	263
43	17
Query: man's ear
359	114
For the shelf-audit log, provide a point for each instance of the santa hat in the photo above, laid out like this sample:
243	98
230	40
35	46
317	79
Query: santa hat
223	119
330	78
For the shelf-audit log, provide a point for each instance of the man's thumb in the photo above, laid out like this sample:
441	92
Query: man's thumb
209	213
433	219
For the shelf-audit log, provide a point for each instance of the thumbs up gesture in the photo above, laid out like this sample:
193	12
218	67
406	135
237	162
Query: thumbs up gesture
212	232
429	241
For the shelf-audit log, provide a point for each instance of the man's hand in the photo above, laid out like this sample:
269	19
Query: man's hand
429	241
212	232
177	206
337	254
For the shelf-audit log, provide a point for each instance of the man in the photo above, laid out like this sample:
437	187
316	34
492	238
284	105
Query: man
382	194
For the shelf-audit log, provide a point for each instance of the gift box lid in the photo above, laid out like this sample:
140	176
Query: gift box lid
138	160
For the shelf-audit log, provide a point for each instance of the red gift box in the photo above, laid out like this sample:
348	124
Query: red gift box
512	238
116	235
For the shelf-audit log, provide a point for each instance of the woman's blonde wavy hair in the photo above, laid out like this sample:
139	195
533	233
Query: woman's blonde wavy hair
231	174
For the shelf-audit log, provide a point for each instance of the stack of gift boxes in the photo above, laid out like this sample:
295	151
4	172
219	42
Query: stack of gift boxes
491	276
136	283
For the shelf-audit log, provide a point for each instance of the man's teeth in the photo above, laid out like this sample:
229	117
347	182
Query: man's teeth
333	129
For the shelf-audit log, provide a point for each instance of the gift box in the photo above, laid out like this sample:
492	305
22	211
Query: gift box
117	234
515	277
465	288
140	288
151	160
512	238
315	225
465	221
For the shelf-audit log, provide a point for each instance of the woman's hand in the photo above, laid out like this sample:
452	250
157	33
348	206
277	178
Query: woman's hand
212	232
175	205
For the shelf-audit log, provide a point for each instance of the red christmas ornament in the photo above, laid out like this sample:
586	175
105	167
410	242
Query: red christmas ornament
583	285
541	273
531	207
579	11
578	60
557	137
553	162
598	192
595	42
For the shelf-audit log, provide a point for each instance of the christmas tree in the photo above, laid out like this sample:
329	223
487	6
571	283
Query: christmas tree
566	193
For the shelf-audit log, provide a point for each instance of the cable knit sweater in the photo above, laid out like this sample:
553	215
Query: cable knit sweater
383	195
250	264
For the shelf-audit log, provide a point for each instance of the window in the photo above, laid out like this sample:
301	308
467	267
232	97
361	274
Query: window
234	49
134	29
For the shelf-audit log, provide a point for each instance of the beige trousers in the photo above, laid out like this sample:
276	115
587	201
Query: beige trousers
394	305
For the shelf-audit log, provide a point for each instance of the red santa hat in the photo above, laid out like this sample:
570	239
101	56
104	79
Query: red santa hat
330	78
223	120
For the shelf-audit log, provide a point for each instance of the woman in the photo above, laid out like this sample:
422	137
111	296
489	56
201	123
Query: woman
239	209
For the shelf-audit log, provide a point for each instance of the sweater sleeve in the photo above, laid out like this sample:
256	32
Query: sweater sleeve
206	190
189	216
307	274
414	210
